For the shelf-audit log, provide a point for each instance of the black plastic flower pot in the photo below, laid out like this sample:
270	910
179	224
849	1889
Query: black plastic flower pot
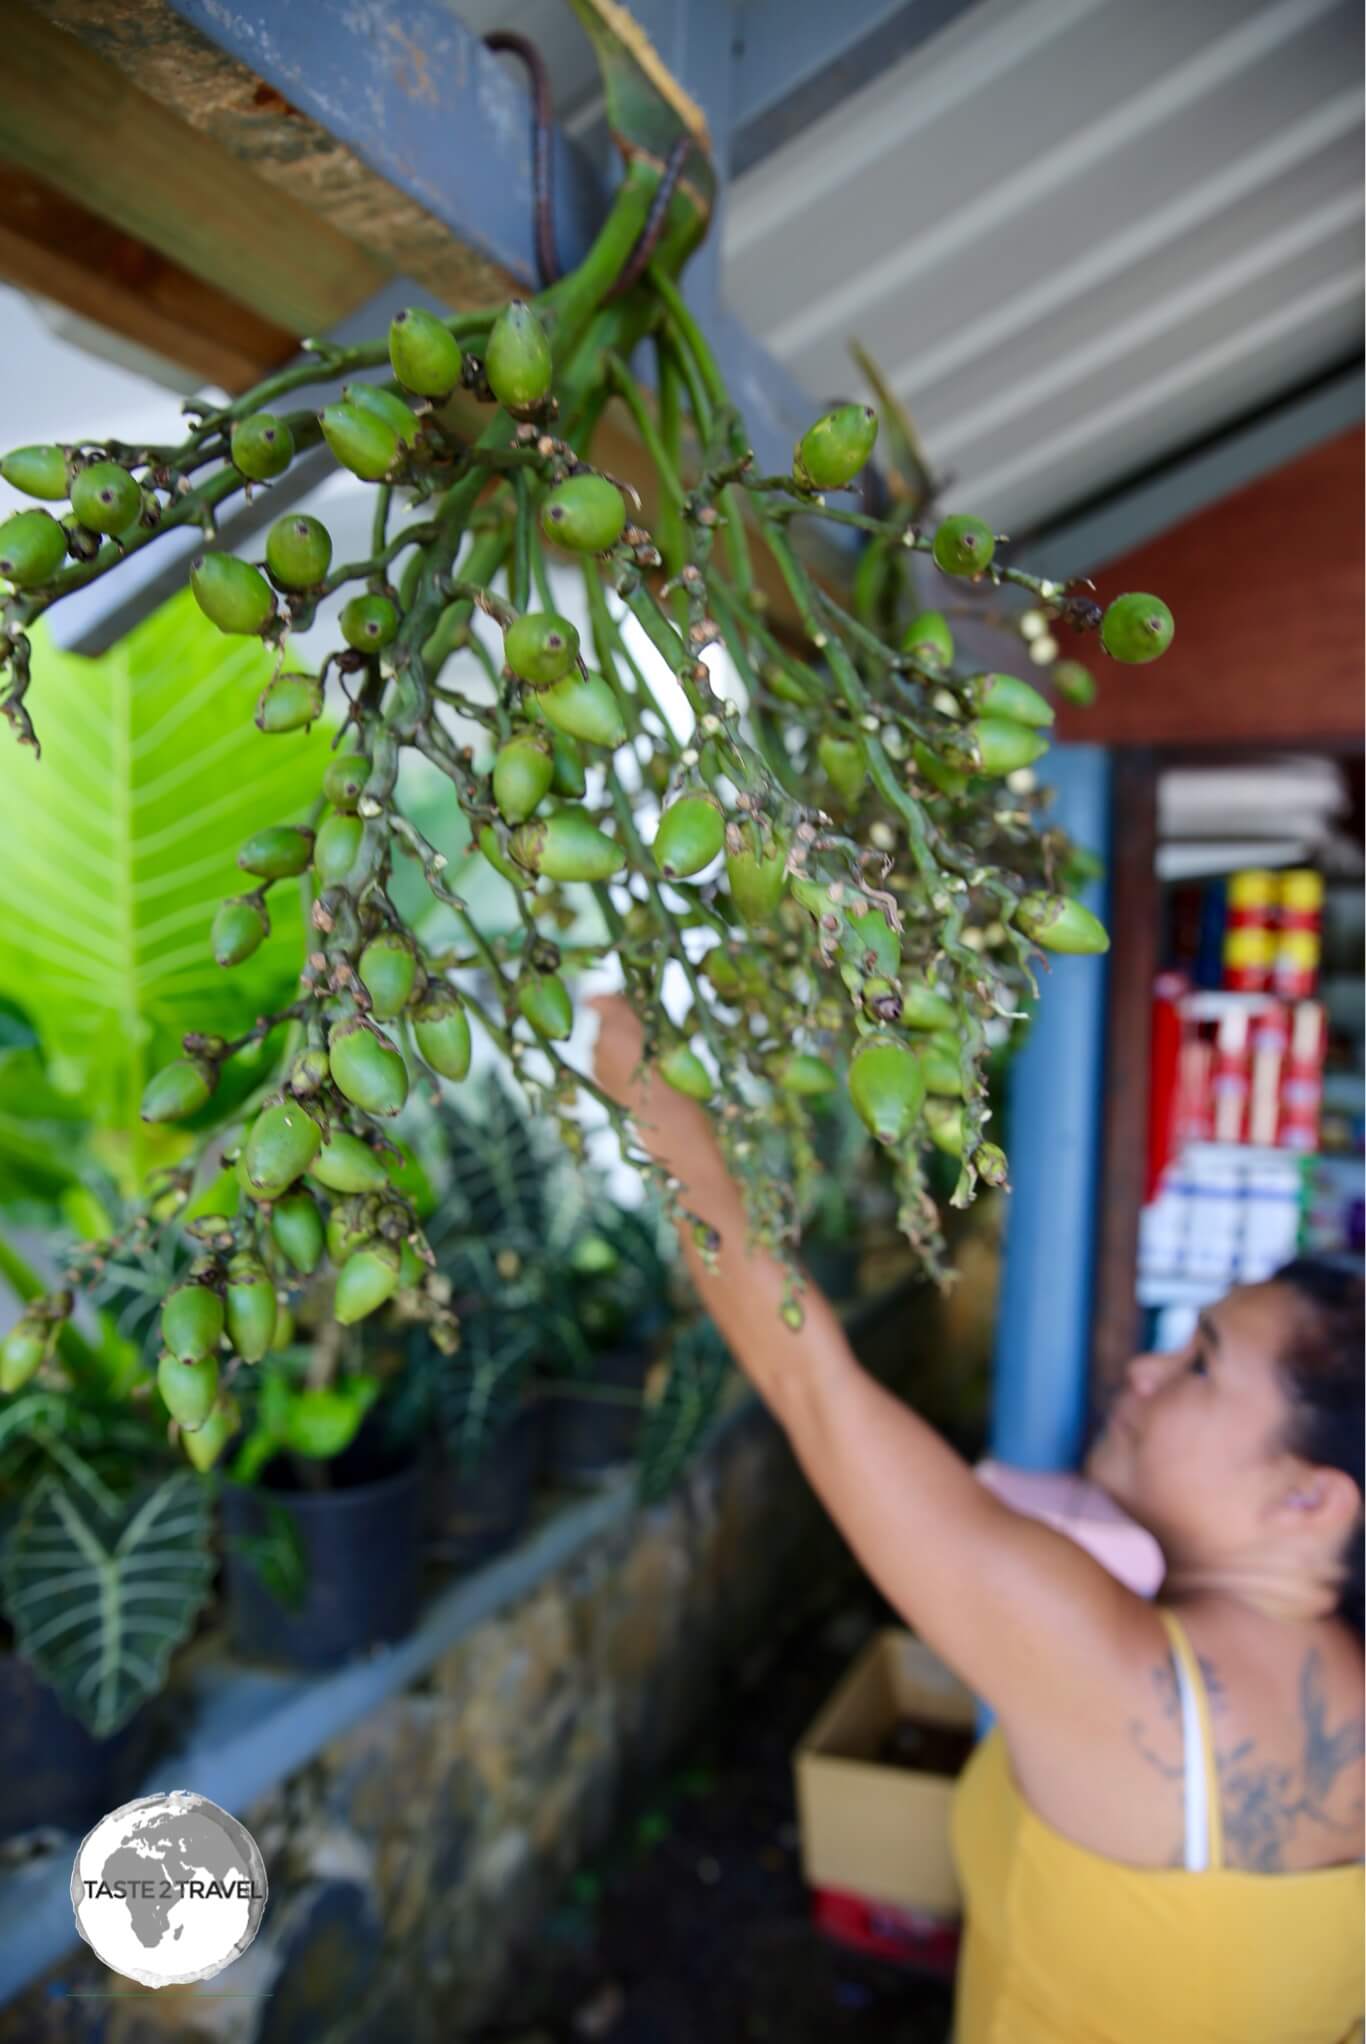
53	1772
470	1515
588	1435
362	1543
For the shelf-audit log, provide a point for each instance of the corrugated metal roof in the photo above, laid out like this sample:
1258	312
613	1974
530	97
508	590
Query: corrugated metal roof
1078	235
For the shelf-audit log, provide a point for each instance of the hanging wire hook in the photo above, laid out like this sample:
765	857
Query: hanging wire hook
542	171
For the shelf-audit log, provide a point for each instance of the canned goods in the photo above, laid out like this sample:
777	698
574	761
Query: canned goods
1249	955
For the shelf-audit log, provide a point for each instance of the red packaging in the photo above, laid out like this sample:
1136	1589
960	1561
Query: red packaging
1164	1110
1302	1086
925	1944
1295	974
1196	1120
1249	956
1232	1077
1300	902
1270	1042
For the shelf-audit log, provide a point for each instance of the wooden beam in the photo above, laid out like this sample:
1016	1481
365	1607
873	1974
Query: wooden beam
1133	919
50	245
1266	587
75	121
226	104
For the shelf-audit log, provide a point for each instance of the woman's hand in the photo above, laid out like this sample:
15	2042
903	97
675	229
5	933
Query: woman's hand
675	1130
616	1054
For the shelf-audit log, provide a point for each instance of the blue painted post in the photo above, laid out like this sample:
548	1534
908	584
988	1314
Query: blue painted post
1053	1137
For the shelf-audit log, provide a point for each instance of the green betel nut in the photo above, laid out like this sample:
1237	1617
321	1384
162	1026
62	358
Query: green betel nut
365	1281
32	549
425	355
251	1307
1006	696
278	852
179	1089
522	774
583	706
335	849
204	1444
544	1001
298	551
963	545
586	514
845	765
262	448
105	497
346	1164
283	1142
517	360
757	880
239	928
830	454
1136	629
807	1076
887	1087
681	1068
566	846
927	638
192	1321
384	404
37	471
367	1068
188	1388
360	439
369	623
441	1031
691	832
297	1226
1058	923
344	779
232	594
291	702
388	972
541	647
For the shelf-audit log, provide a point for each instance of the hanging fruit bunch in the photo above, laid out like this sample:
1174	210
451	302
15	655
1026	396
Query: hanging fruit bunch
838	864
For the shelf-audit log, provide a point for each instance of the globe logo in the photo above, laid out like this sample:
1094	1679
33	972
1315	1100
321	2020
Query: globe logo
168	1888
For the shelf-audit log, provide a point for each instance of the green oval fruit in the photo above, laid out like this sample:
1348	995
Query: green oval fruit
586	514
1075	683
360	439
522	773
845	766
963	545
368	1277
566	846
262	448
681	1068
724	974
32	548
441	1030
425	354
691	832
335	848
231	593
788	685
344	780
239	928
950	780
1137	628
283	1142
996	746
366	1067
991	1163
298	551
1060	924
350	1225
923	1008
179	1089
517	360
321	1422
830	454
887	1087
105	498
944	1120
22	1352
1005	696
204	1444
874	945
252	1307
583	706
297	1226
346	1164
37	471
369	623
278	852
541	647
488	844
386	405
411	1268
808	1076
757	879
309	1071
188	1386
567	777
544	1001
928	639
388	972
291	702
192	1322
939	1059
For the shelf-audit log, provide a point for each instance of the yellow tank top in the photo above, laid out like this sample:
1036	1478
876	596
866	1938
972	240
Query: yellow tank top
1063	1946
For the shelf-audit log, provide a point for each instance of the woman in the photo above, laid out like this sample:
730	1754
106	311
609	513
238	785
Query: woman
1160	1839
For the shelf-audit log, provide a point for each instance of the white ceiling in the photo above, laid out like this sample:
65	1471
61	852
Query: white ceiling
1077	235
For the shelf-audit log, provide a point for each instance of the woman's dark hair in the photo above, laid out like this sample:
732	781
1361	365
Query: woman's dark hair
1322	1373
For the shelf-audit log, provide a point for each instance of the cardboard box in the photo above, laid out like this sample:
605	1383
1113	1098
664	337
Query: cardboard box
868	1829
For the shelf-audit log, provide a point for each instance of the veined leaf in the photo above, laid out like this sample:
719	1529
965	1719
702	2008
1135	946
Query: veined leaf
122	840
100	1598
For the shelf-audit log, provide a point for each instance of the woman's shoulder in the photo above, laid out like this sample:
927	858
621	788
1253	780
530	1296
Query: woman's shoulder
1285	1709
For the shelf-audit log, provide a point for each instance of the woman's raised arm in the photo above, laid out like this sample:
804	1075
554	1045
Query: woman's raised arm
1026	1617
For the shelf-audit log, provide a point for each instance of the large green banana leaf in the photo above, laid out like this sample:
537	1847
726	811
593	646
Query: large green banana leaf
121	841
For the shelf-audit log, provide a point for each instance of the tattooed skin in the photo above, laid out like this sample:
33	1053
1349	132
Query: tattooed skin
1259	1809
